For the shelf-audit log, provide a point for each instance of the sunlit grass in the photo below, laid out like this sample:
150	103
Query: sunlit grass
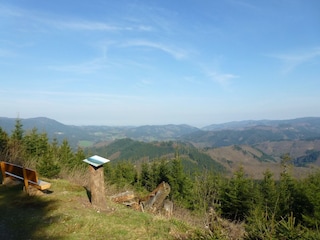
66	213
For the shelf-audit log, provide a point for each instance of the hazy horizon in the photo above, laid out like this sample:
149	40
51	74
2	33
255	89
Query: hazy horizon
118	63
132	125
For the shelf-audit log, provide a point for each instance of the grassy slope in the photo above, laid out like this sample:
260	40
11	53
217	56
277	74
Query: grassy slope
66	213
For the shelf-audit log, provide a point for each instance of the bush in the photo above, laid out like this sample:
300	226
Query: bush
48	168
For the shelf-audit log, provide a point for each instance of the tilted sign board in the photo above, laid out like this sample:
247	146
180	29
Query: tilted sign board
96	161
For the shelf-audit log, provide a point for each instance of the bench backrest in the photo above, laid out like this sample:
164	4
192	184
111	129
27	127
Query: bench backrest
17	170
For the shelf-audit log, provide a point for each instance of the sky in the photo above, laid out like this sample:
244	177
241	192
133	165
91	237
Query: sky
154	62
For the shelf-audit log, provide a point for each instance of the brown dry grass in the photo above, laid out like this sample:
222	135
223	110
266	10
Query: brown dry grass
233	158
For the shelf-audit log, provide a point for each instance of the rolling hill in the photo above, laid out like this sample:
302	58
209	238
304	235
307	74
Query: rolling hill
258	144
192	158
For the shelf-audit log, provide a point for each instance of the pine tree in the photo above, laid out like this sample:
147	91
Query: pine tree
36	145
268	193
17	133
79	156
286	188
66	156
181	185
146	177
16	150
311	186
125	173
206	191
164	171
237	197
49	164
4	144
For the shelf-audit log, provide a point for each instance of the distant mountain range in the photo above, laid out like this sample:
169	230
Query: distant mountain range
254	132
256	144
215	135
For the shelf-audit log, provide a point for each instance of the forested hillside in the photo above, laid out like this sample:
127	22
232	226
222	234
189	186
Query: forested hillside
192	158
227	134
283	208
298	137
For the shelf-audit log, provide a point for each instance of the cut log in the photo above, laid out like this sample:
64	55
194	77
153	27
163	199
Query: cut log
154	201
123	197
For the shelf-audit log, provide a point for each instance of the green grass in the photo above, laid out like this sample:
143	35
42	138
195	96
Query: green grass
66	213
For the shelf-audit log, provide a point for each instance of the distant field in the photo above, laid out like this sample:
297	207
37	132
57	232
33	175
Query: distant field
85	143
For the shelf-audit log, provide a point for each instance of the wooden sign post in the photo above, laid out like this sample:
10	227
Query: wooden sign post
98	199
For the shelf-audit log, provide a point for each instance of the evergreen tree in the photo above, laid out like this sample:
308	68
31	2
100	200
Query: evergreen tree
292	197
125	173
4	144
286	188
49	164
35	145
79	157
206	191
311	186
261	222
181	185
146	177
154	172
164	171
268	193
16	150
17	133
54	150
237	197
108	172
66	156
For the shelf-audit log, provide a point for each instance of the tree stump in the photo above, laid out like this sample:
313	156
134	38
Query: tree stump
98	199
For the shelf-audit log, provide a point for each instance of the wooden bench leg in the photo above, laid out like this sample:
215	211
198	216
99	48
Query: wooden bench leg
25	180
3	171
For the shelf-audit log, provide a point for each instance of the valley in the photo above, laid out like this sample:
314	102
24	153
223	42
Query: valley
254	145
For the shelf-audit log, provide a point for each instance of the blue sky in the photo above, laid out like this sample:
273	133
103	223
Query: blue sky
195	62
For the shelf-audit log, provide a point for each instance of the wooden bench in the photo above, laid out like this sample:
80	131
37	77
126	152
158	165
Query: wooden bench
28	176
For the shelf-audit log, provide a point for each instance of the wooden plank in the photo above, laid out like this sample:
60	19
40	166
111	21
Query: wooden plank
28	176
31	175
3	170
14	169
13	175
25	179
42	185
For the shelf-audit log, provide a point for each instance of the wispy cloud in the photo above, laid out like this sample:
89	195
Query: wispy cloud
214	73
67	23
144	83
63	95
83	67
85	25
223	79
10	11
173	51
293	60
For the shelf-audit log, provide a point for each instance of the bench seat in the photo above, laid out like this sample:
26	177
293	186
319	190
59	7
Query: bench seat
28	176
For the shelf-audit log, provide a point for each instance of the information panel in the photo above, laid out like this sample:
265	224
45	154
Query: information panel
96	160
